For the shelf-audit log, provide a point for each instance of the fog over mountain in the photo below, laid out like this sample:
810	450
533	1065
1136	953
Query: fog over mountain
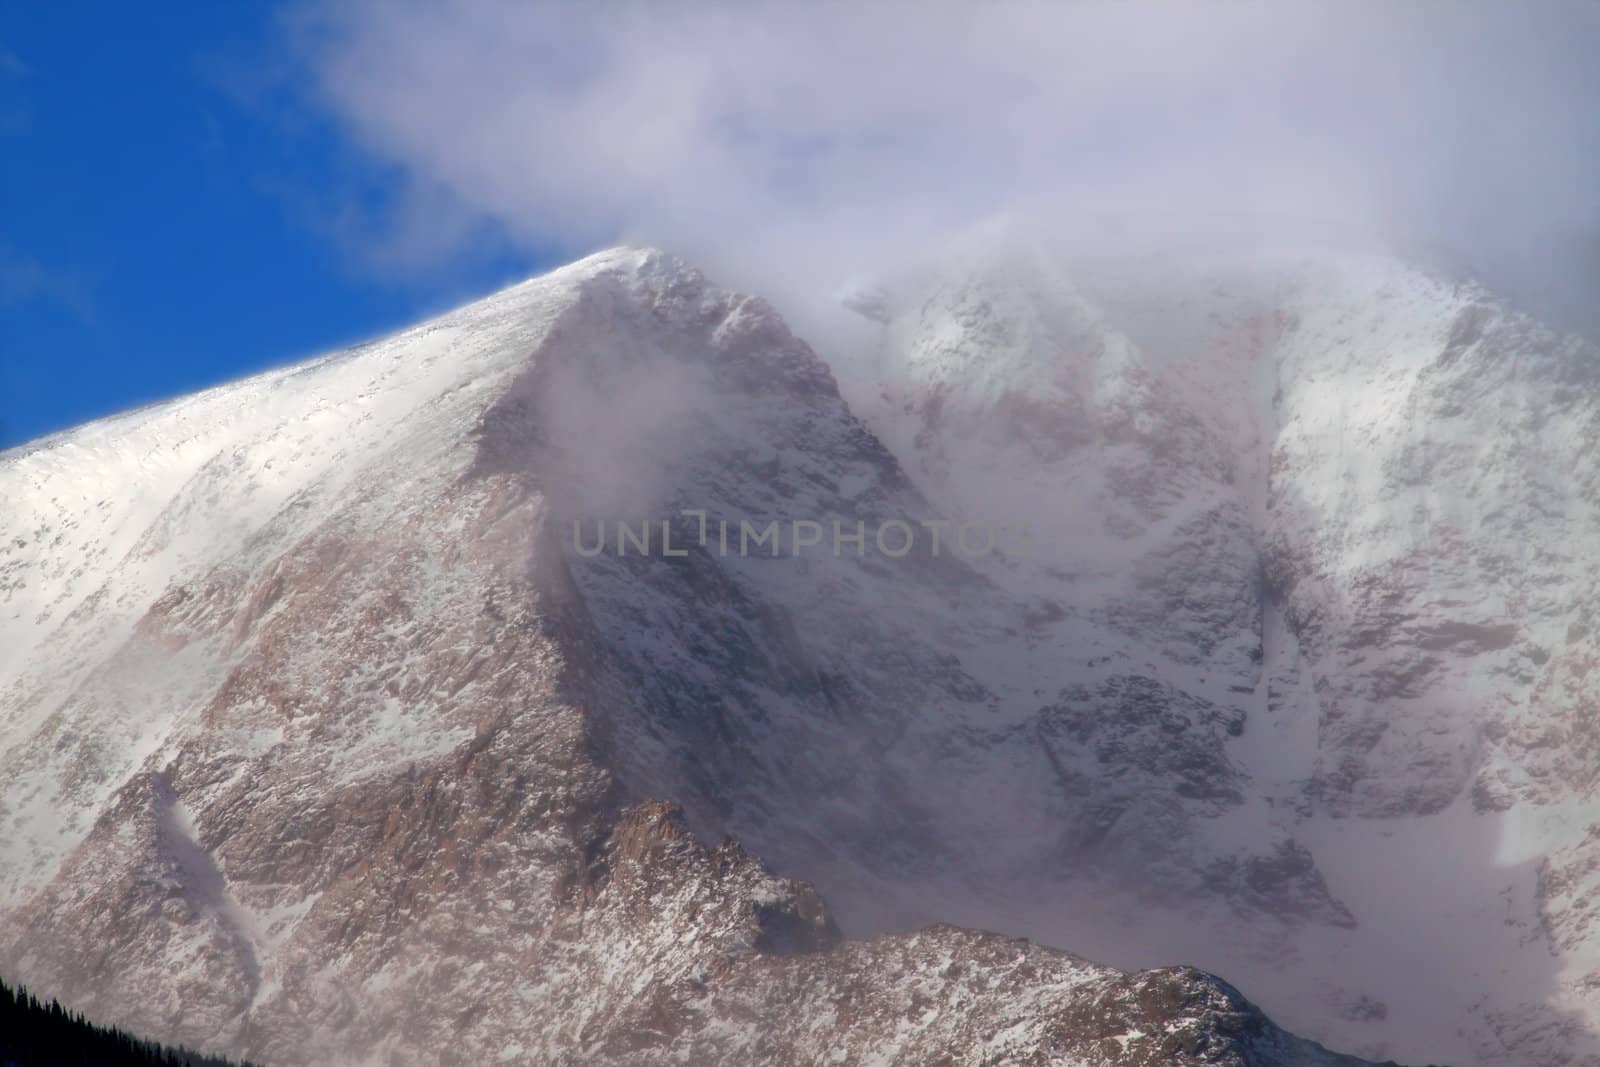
799	148
1062	534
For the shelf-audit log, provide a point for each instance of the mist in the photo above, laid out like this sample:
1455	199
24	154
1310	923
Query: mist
799	147
805	152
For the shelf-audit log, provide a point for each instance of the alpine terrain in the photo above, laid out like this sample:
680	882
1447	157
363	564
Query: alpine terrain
577	678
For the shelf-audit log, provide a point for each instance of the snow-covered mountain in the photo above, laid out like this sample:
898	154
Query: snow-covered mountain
1352	509
330	730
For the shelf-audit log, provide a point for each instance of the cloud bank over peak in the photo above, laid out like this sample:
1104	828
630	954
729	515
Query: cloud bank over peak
804	142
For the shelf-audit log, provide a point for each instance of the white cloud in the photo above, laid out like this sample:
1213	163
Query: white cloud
796	139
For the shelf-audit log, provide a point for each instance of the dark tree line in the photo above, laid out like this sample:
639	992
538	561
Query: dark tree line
35	1034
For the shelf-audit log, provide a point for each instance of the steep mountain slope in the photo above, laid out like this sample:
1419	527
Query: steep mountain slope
328	737
1346	507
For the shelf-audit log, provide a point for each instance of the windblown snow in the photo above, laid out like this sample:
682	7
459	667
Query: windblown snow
323	737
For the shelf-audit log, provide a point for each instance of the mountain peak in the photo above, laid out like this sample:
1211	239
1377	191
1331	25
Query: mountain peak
315	688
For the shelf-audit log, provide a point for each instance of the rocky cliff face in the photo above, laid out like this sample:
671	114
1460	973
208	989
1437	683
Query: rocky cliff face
1342	510
334	731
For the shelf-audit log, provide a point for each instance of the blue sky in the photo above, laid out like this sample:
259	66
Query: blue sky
173	219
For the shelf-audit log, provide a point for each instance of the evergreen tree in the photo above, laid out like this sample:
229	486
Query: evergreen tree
33	1034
